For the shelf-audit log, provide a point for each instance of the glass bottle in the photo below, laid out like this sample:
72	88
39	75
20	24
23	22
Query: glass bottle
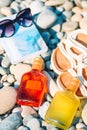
64	106
33	86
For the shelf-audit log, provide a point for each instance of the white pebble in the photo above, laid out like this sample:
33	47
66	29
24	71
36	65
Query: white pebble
3	78
10	78
24	5
22	128
83	23
5	62
36	7
26	119
4	3
54	2
6	84
60	35
33	124
15	6
17	109
84	113
27	110
8	94
84	4
46	19
52	86
56	27
6	11
43	109
19	69
68	5
80	125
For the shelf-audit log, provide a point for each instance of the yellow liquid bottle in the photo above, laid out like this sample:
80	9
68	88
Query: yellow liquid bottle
64	106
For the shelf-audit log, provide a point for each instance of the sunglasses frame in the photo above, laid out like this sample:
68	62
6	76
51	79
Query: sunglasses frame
23	14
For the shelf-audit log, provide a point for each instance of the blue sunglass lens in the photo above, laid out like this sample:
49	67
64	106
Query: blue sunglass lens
25	22
24	18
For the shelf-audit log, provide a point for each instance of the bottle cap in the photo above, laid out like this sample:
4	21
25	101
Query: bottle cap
38	63
74	84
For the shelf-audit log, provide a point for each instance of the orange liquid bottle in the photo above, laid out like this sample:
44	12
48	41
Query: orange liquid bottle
33	86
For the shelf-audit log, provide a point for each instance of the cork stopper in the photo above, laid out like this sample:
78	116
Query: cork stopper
74	84
38	63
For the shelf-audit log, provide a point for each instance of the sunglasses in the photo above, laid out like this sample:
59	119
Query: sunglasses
23	18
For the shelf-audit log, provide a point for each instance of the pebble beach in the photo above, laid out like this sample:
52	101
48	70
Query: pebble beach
54	19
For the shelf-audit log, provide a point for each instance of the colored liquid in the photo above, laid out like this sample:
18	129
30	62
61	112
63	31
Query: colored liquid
62	109
32	89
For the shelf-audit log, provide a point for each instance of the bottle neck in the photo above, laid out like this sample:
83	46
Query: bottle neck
74	84
38	64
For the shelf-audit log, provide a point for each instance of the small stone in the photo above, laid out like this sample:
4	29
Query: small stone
53	41
27	110
56	27
24	5
80	125
1	16
6	11
10	78
76	17
8	94
77	10
17	109
52	86
84	4
67	14
47	55
43	109
4	3
19	69
22	128
36	7
16	85
68	5
59	10
49	127
27	118
54	2
33	124
6	84
78	2
46	19
1	49
18	1
49	98
60	35
69	26
5	62
83	23
84	114
52	74
3	71
54	128
48	63
40	128
46	36
76	120
3	78
12	122
14	6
